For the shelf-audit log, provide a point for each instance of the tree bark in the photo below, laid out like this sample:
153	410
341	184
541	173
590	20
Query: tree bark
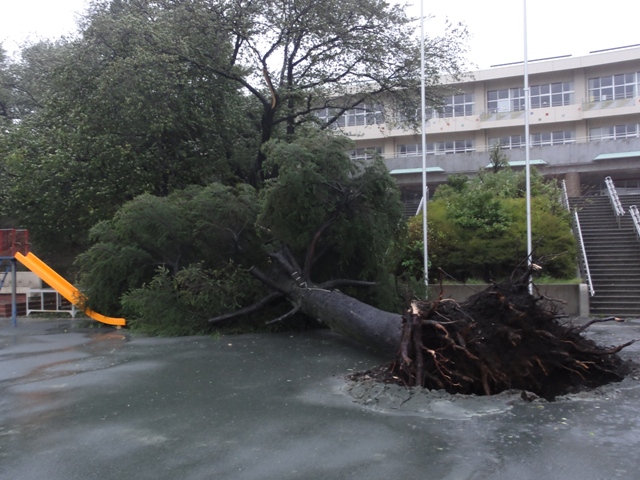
344	314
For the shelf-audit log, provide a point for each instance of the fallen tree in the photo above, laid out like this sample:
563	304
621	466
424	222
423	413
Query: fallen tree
323	219
500	339
324	302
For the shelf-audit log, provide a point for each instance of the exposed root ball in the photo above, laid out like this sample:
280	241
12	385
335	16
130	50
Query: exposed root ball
502	338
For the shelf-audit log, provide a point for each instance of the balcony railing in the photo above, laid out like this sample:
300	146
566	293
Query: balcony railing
487	148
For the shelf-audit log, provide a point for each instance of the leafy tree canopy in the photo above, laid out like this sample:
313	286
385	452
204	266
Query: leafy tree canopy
211	227
300	57
110	117
324	205
190	251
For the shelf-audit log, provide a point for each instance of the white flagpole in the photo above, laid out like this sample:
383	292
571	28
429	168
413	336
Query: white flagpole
424	147
527	108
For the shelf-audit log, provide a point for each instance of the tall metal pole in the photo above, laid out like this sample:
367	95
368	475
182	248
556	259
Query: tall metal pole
424	148
527	139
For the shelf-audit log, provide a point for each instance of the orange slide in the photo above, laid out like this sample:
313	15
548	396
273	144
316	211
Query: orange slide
64	288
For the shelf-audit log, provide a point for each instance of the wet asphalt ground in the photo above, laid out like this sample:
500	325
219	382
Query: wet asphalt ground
83	403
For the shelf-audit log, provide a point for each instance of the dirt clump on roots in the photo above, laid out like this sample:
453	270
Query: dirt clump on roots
500	339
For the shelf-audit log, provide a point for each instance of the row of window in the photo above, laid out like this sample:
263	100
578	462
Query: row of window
365	153
615	132
537	139
557	94
612	132
542	96
365	114
436	148
512	141
507	142
613	87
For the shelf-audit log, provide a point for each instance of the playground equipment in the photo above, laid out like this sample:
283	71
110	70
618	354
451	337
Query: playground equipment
14	246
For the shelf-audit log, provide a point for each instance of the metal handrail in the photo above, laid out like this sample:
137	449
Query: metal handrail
585	263
635	216
565	196
614	199
419	209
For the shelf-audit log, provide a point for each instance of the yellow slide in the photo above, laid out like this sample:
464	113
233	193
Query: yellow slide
64	288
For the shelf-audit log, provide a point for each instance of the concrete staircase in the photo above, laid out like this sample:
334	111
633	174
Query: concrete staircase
411	207
613	253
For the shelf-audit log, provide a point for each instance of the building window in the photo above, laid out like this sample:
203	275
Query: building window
451	146
409	150
461	105
326	113
547	95
614	132
436	148
552	95
613	87
537	139
507	100
365	153
455	106
552	138
364	114
508	142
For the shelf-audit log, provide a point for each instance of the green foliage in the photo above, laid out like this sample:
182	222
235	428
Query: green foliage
300	57
477	229
206	226
110	115
498	158
134	126
169	263
181	304
322	200
151	97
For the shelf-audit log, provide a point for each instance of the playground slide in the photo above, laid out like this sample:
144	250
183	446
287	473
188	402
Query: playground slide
68	291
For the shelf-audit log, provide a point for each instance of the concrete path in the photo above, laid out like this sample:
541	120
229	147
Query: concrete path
97	403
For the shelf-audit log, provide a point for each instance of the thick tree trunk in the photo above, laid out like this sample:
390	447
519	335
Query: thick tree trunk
344	314
499	339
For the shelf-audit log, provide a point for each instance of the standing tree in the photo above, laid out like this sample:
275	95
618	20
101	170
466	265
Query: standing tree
153	96
309	61
106	117
6	94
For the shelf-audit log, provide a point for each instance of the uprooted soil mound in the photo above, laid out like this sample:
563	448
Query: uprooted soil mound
500	339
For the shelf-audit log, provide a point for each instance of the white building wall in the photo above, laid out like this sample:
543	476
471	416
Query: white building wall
578	117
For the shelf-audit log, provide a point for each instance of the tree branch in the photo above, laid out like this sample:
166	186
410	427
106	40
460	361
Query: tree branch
290	313
344	282
247	310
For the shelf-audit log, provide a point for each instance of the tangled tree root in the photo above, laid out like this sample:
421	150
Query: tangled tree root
499	339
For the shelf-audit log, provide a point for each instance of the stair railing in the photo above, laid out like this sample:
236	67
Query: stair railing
614	199
564	199
635	216
586	274
422	200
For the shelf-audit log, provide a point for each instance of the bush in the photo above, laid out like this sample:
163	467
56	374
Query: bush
181	304
477	229
164	242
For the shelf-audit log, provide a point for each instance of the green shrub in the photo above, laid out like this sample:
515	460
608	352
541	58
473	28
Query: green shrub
477	229
181	304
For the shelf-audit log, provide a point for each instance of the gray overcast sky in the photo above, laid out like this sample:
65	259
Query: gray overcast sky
555	27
